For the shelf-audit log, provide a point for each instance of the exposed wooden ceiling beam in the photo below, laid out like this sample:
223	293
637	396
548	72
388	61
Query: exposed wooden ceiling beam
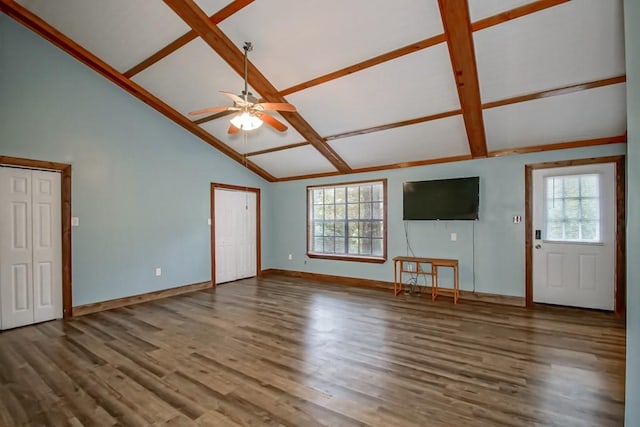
618	139
414	47
500	18
457	27
280	148
33	22
216	18
498	153
558	91
213	117
214	37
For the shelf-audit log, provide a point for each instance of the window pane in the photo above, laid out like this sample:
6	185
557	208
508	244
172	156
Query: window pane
340	212
376	195
353	194
572	230
329	211
376	210
572	208
555	211
328	195
339	228
340	195
317	229
589	186
329	229
365	193
365	229
554	230
340	246
317	196
317	244
353	211
571	186
376	250
589	209
318	212
353	246
329	245
353	229
365	246
365	210
376	229
590	230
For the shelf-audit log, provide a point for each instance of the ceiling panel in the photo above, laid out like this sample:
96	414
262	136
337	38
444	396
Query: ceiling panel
589	114
296	161
263	138
576	42
415	85
479	9
296	41
120	32
429	140
194	86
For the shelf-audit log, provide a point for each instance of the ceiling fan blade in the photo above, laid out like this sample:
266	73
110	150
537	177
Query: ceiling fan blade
232	130
277	106
272	121
238	100
209	110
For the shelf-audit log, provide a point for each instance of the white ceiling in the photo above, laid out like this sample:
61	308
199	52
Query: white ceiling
576	42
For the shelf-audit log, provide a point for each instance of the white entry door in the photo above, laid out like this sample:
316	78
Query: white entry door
574	211
235	235
30	247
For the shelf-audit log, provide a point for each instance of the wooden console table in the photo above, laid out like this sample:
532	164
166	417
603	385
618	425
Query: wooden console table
414	265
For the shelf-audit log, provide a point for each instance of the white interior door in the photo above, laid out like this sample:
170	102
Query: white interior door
574	211
30	247
47	244
235	235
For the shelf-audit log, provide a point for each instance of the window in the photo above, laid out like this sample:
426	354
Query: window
348	221
572	208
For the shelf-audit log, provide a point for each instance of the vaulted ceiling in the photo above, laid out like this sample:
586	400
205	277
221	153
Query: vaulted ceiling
377	84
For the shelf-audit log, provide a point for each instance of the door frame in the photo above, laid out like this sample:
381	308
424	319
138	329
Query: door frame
65	205
620	235
231	187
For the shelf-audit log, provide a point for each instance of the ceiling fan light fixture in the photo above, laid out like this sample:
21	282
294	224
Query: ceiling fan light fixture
246	121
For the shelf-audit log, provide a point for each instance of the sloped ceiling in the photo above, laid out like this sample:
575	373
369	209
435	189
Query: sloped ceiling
377	84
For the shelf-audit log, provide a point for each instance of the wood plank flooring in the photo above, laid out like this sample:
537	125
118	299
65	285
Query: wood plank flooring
293	352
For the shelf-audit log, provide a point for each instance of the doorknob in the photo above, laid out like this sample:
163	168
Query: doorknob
538	246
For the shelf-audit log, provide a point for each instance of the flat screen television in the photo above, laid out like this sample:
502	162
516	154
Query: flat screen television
445	199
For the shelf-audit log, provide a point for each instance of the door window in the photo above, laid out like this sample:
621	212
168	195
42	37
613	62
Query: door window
572	208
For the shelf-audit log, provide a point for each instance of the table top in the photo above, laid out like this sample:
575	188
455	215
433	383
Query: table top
438	261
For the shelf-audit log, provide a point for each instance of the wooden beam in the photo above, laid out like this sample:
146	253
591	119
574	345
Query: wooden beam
414	47
457	27
500	18
618	139
33	22
213	117
518	12
219	42
394	125
216	18
558	91
280	148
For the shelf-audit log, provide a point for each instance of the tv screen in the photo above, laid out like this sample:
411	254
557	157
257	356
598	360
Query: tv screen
453	199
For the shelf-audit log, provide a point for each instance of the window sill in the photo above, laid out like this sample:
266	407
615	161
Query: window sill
371	259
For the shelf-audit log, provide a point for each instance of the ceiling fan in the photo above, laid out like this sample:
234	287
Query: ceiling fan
249	112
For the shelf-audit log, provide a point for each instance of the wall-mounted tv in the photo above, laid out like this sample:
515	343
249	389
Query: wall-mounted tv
445	199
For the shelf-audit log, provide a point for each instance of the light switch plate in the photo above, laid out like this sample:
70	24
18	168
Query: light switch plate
454	237
158	271
75	221
209	221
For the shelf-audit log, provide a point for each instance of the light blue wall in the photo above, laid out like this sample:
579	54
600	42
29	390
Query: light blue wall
632	36
140	182
499	243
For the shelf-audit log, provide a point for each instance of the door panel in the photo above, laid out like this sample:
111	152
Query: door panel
47	245
574	256
16	284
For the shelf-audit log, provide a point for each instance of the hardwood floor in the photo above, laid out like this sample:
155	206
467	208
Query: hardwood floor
292	352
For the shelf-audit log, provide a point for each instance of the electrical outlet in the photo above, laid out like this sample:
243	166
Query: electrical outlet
75	221
290	257
158	271
209	221
454	237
